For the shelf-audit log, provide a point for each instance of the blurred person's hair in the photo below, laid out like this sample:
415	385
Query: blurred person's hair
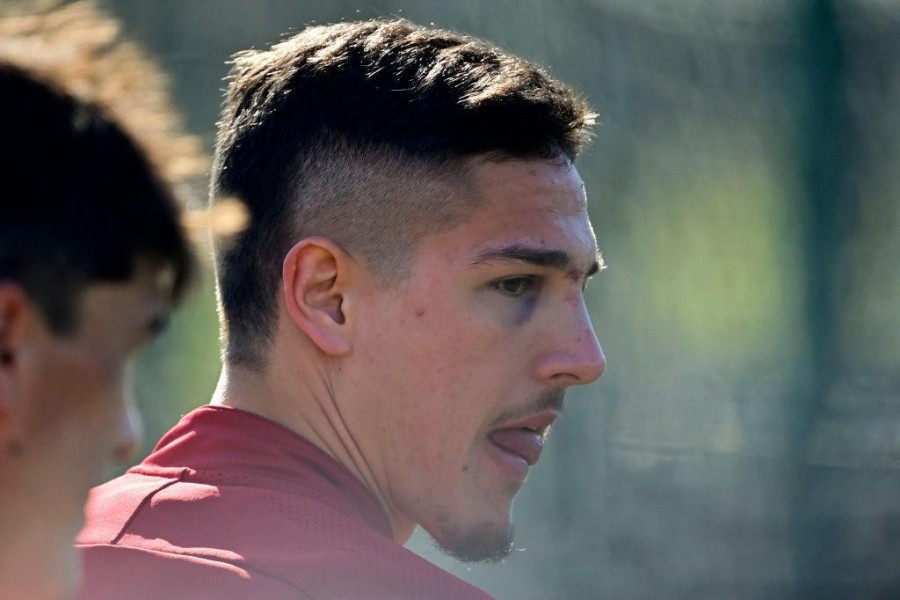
360	132
79	202
84	50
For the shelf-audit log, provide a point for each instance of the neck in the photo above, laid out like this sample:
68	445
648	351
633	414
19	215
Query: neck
306	401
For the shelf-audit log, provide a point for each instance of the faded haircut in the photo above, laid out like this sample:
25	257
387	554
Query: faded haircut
360	132
79	201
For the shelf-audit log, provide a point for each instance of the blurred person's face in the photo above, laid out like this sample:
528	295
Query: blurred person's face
64	416
467	360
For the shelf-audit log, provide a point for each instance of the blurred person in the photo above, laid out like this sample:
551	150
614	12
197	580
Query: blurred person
92	259
85	50
400	321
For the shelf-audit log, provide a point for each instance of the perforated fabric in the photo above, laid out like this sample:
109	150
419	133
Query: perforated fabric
231	505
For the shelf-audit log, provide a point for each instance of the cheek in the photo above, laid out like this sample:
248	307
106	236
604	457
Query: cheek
99	384
444	355
86	389
435	367
450	374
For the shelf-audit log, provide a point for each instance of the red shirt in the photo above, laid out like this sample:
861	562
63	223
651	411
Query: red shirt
232	505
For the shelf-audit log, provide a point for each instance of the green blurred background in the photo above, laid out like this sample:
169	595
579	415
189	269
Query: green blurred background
745	441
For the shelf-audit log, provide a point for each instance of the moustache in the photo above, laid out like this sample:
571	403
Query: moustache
551	399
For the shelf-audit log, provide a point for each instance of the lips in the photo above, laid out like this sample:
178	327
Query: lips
525	437
523	443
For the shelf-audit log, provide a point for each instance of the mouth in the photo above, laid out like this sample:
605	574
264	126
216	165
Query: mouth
523	440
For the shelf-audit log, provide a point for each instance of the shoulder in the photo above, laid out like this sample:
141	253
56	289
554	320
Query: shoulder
247	541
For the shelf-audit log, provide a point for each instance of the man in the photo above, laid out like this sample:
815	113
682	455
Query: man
401	319
92	258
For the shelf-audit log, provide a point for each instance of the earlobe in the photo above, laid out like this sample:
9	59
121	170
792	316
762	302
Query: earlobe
315	273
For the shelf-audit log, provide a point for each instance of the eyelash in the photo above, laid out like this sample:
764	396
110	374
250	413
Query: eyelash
525	284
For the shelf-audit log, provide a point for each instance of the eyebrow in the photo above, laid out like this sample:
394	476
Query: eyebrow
541	257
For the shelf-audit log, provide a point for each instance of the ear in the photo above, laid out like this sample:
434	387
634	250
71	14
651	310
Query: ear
315	274
15	312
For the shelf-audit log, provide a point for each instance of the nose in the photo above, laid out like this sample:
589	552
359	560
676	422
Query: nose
573	355
128	429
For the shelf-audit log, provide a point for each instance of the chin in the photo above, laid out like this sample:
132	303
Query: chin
479	543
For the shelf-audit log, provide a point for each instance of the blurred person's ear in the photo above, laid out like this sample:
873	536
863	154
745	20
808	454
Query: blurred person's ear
14	315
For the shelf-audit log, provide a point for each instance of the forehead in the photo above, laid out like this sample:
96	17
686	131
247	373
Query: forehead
536	203
553	182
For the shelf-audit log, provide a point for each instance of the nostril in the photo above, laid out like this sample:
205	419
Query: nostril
568	369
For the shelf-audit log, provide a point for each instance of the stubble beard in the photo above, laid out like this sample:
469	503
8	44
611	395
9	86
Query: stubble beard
489	542
481	543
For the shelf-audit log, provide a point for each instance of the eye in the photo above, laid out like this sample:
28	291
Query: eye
516	287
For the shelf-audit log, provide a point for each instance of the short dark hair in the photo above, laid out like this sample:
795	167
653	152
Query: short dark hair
79	202
359	132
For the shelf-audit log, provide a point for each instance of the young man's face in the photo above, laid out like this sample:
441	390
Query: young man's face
468	358
72	416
